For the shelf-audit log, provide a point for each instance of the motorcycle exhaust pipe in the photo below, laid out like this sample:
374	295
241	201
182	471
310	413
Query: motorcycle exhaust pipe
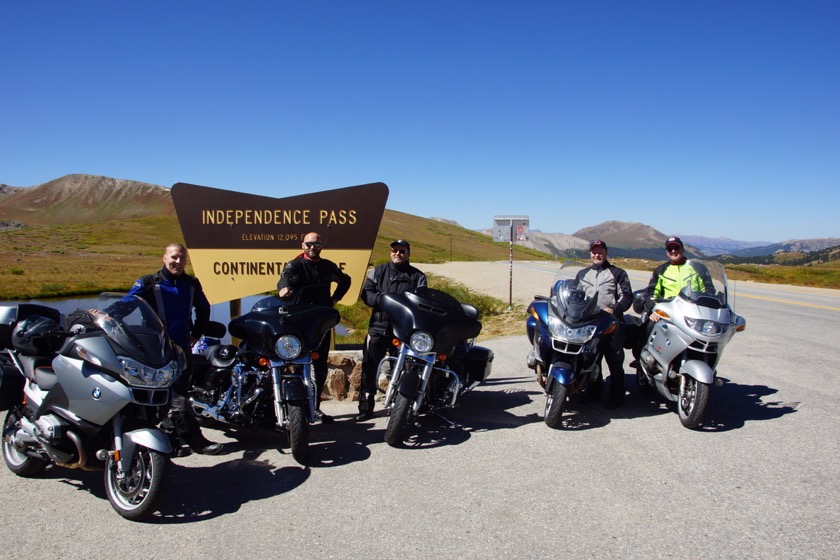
81	463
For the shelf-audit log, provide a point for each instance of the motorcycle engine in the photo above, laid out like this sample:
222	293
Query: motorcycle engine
49	429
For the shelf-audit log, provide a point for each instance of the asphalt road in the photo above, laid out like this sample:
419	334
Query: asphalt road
760	480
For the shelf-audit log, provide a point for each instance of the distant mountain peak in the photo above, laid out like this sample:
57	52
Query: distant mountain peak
84	198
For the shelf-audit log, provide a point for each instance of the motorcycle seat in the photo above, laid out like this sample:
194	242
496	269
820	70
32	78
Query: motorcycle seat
30	365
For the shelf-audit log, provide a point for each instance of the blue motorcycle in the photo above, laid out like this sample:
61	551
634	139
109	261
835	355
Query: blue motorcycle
566	330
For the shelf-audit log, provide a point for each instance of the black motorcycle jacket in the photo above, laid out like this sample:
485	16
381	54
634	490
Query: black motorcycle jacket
388	278
303	271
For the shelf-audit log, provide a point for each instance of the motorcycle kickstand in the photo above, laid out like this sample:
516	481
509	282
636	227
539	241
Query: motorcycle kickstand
452	424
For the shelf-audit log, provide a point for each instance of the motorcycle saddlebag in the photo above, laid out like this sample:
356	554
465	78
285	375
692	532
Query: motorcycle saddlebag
479	362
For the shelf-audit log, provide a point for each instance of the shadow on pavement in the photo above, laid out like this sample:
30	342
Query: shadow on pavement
733	405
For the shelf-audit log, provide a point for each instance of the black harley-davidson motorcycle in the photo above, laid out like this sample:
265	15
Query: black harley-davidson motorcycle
268	380
90	396
437	360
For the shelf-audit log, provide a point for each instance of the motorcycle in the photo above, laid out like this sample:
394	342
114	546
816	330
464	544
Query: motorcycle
682	350
90	396
268	380
436	361
566	330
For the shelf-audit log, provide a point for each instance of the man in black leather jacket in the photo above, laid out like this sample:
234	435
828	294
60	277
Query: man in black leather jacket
394	277
309	269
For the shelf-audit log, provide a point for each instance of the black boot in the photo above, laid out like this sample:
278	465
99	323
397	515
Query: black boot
366	403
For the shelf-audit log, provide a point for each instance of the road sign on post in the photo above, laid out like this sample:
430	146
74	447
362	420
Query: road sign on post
239	242
510	229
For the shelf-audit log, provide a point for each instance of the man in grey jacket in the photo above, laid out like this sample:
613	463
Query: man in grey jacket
614	297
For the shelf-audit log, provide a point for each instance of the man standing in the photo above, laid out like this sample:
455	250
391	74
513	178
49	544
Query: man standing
394	277
669	278
666	282
614	297
309	269
174	294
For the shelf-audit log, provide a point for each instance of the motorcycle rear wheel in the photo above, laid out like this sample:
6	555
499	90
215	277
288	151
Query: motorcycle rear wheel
138	495
298	432
692	402
18	462
397	421
555	402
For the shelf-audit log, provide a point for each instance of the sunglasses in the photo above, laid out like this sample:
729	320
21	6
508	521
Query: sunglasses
674	248
400	251
316	244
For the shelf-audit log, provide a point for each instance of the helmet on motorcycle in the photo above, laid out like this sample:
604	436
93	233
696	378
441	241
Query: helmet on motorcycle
29	336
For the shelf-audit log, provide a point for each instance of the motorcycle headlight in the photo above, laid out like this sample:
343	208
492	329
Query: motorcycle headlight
421	342
288	347
140	375
568	334
705	326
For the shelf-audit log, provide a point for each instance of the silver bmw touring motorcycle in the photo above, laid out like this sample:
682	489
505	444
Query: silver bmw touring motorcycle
90	396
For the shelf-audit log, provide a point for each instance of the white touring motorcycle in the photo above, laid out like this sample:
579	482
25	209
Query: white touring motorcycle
90	396
682	350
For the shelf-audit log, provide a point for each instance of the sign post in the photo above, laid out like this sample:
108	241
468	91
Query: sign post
503	230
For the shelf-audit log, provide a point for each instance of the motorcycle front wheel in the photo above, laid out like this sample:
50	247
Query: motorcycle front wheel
397	421
298	431
555	402
18	462
137	494
692	401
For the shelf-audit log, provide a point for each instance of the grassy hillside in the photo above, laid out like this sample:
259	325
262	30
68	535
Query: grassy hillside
69	259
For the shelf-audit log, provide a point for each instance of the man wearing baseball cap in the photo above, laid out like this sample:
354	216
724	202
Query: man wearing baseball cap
666	282
615	296
394	277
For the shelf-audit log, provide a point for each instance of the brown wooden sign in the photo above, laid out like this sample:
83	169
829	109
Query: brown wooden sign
238	243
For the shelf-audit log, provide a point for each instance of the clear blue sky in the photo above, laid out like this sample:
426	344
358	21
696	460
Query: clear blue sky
716	118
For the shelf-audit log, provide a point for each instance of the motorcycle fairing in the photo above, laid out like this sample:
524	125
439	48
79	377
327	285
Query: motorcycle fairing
94	395
271	317
433	311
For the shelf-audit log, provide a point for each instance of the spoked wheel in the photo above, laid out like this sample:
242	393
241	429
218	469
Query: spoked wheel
692	401
16	458
137	493
555	402
397	421
298	432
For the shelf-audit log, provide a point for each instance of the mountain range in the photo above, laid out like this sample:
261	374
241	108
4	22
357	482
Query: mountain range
84	198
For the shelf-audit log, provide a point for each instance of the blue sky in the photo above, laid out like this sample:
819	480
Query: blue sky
715	118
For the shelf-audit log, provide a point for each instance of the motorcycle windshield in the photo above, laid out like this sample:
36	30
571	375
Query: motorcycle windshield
705	284
132	324
570	301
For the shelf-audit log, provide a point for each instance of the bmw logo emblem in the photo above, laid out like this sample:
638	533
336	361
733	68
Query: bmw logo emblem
97	393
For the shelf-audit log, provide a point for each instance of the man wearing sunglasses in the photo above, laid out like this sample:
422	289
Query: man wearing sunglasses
309	269
394	277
